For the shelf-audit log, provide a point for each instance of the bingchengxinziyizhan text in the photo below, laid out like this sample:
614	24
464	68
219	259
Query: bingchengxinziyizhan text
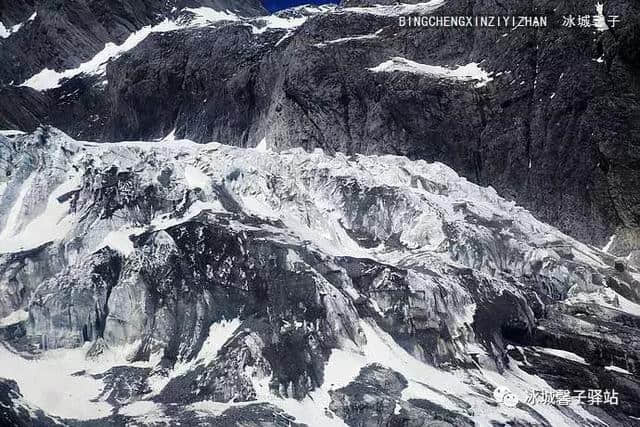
498	21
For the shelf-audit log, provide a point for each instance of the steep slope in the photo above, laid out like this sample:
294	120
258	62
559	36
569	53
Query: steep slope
554	129
203	283
60	35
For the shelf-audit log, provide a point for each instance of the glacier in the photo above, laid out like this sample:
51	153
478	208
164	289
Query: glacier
251	284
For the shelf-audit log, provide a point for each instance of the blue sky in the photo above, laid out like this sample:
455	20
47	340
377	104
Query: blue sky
274	5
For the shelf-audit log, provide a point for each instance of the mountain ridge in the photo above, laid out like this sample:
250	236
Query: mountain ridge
254	276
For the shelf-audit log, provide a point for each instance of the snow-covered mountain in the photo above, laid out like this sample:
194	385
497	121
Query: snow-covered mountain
397	225
554	128
202	283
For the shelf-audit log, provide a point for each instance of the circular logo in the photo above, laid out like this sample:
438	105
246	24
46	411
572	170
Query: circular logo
505	396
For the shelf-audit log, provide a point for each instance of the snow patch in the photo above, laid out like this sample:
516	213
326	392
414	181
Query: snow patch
609	243
47	382
49	79
13	318
206	15
196	178
599	21
399	9
219	333
145	412
6	32
118	240
348	39
468	72
262	146
275	22
13	219
54	223
608	298
11	133
617	369
562	354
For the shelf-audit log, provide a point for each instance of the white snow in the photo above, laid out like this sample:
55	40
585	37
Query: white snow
170	137
219	333
609	243
520	383
47	382
275	22
468	72
562	354
206	15
146	413
13	218
202	17
49	79
13	318
599	20
262	146
54	223
118	240
397	409
606	297
342	367
11	133
351	38
399	9
310	201
196	178
430	383
6	32
617	369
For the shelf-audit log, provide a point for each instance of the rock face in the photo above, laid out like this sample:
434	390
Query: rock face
295	286
398	230
555	129
15	411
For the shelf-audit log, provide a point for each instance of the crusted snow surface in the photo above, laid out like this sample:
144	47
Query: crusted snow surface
11	133
195	17
146	413
605	297
49	79
609	243
521	383
415	203
6	32
262	146
350	38
13	318
219	333
54	223
206	15
617	369
562	354
48	381
12	220
468	72
441	387
398	9
599	20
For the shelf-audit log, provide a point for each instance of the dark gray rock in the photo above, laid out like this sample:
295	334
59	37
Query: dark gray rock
15	412
552	106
